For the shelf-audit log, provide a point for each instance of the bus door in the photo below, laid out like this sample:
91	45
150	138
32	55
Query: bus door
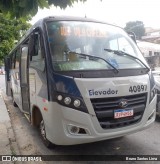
24	79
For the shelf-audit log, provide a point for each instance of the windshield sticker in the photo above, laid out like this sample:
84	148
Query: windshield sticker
113	62
93	92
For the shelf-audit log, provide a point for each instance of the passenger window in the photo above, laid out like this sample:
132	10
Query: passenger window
37	59
17	54
13	60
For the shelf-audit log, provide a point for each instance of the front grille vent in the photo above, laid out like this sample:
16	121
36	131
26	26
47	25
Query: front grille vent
105	107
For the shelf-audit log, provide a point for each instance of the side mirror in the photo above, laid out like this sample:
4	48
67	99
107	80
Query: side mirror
33	45
132	35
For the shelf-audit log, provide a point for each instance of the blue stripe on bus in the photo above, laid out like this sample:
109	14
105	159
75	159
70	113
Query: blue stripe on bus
66	85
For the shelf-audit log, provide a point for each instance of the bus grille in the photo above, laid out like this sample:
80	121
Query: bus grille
105	107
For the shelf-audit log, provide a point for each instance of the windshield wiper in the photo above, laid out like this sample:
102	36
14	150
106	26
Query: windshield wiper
93	57
121	53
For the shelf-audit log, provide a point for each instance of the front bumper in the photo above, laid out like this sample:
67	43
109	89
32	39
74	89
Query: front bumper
59	132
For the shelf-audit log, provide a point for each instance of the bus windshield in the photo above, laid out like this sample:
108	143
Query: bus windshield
92	39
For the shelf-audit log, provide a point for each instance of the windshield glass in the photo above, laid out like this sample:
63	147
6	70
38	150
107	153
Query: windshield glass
91	39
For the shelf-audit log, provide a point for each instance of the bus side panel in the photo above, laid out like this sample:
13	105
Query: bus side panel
38	90
32	87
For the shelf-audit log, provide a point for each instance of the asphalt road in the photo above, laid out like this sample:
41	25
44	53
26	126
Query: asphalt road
146	142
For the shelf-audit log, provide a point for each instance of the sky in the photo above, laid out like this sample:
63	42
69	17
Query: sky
117	12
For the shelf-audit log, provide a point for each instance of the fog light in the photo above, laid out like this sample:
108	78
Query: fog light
59	97
73	129
77	103
67	100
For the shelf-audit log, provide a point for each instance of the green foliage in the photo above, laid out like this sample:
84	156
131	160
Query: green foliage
11	30
13	17
63	3
23	8
137	27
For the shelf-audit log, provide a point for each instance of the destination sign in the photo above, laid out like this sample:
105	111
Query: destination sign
82	31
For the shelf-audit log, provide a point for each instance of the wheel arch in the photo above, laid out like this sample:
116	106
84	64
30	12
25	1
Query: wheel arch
36	116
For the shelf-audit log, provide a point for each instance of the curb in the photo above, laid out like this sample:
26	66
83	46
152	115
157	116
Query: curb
13	148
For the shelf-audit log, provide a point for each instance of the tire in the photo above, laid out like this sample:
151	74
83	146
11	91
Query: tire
46	142
14	103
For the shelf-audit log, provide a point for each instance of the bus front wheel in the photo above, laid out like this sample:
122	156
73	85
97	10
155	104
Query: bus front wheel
47	143
13	101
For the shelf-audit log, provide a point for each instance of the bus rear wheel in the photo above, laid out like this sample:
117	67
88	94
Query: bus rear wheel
46	142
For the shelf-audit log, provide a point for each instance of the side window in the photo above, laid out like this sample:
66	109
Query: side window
17	55
125	46
37	59
13	60
121	44
24	63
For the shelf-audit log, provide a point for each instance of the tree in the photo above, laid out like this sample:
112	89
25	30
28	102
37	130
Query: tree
137	27
11	30
21	8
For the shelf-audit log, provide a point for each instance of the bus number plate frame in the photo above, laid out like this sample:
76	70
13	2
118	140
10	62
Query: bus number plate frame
122	113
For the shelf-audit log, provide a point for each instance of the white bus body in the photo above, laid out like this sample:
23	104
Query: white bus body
81	81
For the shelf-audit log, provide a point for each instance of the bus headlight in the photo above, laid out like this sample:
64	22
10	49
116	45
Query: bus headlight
67	100
71	102
77	103
59	97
